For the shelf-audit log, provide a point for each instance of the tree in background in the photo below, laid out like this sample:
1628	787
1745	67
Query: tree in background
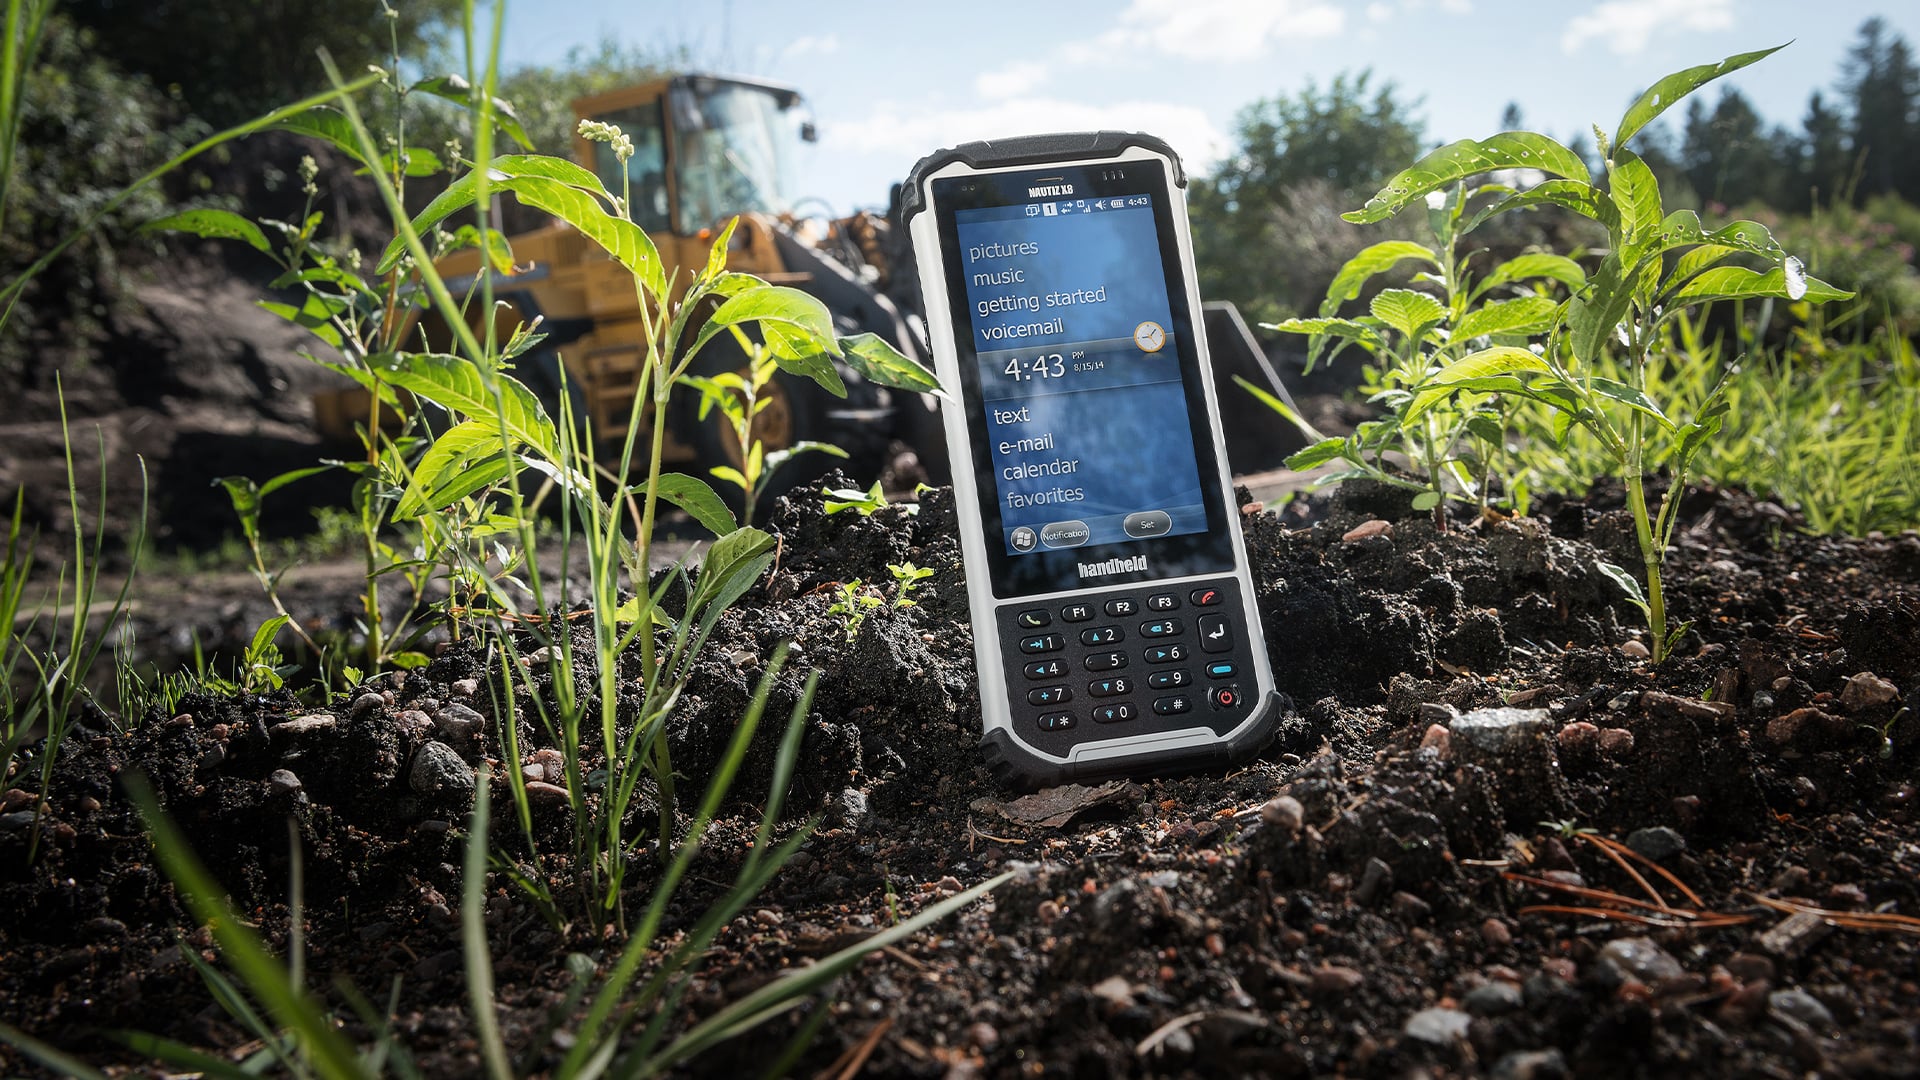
231	60
1883	87
1726	154
1818	163
1266	224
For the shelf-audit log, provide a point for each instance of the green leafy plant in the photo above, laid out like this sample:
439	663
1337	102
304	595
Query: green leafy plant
905	576
1656	266
1452	450
854	601
864	503
740	398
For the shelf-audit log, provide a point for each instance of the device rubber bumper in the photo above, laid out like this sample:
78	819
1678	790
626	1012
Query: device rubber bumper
1016	768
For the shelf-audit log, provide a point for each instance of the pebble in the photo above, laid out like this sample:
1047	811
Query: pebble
1410	908
1114	990
414	722
438	768
1495	731
1284	812
1437	1025
1635	650
465	688
304	725
1639	958
282	782
459	722
1616	742
1331	979
1368	529
15	798
1375	880
183	720
1749	967
106	927
552	762
1743	1006
1437	739
1658	843
1492	999
1578	738
1532	1065
365	705
16	821
848	810
1496	933
1846	896
542	793
1434	712
1798	1005
767	917
1866	690
542	655
983	1035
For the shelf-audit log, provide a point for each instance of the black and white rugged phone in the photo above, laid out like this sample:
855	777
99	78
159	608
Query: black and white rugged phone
1113	616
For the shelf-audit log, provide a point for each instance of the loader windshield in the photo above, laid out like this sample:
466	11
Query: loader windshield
733	145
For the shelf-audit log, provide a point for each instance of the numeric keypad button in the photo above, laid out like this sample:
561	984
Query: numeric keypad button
1167	680
1049	695
1114	714
1101	635
1166	654
1172	706
1046	669
1055	721
1041	643
1161	628
1121	606
1112	687
1106	661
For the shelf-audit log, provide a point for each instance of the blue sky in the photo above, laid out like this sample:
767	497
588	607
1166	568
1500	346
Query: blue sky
889	81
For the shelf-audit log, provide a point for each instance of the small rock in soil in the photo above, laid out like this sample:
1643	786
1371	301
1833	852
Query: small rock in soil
1410	908
1284	813
413	722
1867	690
438	768
1500	731
1438	1026
1658	843
1435	712
1437	739
1635	650
15	798
302	726
1331	979
1749	967
1639	958
1800	1006
1114	990
1532	1065
365	705
465	688
1492	999
1495	933
459	722
16	821
541	793
849	810
1368	529
282	782
1375	880
1615	742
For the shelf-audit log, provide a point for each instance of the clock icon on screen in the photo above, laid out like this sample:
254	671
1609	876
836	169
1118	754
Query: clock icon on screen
1149	336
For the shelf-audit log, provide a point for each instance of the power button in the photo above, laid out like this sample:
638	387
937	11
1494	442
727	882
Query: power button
1224	697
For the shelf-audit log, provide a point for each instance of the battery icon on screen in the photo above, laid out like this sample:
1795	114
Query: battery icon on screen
1050	209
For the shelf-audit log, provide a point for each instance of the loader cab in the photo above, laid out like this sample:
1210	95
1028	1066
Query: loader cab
704	149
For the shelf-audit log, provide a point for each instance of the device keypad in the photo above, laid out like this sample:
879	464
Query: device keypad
1152	626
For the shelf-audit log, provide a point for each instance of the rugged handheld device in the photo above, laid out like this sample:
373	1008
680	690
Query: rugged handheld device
1113	613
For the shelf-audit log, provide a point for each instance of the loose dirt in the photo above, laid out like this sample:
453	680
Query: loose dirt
1401	884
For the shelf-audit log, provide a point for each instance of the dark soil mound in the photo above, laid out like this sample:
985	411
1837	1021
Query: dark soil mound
1393	888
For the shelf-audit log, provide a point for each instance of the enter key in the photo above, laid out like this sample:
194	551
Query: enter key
1216	634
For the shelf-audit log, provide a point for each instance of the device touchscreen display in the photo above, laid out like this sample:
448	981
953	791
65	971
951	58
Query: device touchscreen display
1081	389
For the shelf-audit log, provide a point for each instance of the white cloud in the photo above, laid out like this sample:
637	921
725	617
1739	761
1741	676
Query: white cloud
1013	80
1457	7
1215	30
1625	26
1379	12
903	131
812	45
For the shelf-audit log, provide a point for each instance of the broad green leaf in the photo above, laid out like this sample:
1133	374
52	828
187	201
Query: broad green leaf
1696	259
1499	360
213	224
1630	397
328	274
326	123
315	314
690	493
457	386
879	362
457	90
1663	94
1578	196
263	636
1636	195
1317	455
498	252
1627	584
436	478
737	549
1486	428
418	161
1739	283
1593	315
804	446
1538	264
1682	228
717	255
817	366
1372	260
1345	328
285	478
1411	313
626	242
1426	500
1526	315
1468	157
795	313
